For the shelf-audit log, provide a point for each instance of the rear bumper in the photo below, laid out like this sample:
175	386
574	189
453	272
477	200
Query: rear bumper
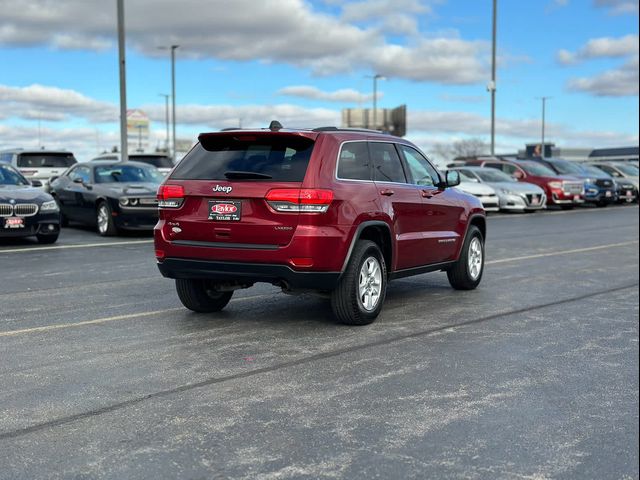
248	273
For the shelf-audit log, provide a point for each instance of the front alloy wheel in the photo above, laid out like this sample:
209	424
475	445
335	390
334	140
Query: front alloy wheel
104	220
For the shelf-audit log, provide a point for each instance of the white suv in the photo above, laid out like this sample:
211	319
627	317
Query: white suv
39	165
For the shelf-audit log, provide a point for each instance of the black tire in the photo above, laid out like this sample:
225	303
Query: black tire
47	239
201	295
460	276
107	229
346	303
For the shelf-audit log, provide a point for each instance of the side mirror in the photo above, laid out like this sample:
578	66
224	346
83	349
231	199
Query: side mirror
36	183
78	180
53	179
452	178
518	175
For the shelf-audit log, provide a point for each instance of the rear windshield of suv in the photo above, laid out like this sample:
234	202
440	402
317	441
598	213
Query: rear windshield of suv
46	160
247	157
158	161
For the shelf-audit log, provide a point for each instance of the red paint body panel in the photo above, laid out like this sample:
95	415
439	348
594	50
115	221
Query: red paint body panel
424	230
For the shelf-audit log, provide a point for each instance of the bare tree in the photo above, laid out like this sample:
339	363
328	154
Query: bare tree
469	147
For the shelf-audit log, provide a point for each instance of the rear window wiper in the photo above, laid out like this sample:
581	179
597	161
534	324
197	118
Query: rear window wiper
235	174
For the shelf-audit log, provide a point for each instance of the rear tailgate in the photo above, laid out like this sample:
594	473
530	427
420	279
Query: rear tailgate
226	179
44	165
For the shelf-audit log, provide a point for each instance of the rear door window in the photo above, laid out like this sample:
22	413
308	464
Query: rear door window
46	160
354	163
387	166
248	158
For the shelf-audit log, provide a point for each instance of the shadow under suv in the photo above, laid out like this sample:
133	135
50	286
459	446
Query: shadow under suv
335	211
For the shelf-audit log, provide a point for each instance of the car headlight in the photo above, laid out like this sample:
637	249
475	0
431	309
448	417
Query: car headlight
134	202
50	206
506	191
124	201
555	184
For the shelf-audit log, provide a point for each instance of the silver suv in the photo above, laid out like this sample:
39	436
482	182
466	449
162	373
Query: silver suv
39	165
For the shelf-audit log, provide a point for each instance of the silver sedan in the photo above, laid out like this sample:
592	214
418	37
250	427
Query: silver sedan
512	195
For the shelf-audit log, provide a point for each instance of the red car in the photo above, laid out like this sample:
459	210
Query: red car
564	191
335	211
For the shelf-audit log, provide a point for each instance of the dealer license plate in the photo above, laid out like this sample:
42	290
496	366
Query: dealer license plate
225	210
14	222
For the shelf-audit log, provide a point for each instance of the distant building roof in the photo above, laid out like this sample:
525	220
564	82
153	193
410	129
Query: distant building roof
614	152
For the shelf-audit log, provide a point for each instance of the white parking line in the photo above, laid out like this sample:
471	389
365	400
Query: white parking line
562	252
82	245
98	321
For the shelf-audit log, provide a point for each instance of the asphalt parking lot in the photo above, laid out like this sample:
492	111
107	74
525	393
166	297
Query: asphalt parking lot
533	375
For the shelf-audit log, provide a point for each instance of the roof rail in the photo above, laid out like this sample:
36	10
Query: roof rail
348	129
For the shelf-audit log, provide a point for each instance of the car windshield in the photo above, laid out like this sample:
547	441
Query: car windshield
46	160
594	171
630	170
533	168
127	174
8	176
466	178
493	175
567	168
158	161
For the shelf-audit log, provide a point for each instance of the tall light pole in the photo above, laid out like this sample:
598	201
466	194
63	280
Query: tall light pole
492	85
173	95
166	119
124	154
544	103
375	77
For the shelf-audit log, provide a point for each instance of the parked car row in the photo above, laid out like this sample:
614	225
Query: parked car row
111	195
549	182
42	190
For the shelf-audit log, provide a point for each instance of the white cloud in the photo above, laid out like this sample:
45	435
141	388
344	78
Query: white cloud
619	7
52	103
288	31
604	47
346	95
619	82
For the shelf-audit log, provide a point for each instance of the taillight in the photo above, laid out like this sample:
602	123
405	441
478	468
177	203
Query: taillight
305	200
170	196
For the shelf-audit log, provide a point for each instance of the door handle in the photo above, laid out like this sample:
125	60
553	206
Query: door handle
428	193
387	192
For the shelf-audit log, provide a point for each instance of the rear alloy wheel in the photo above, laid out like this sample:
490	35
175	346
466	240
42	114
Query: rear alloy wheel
201	295
104	220
466	273
360	294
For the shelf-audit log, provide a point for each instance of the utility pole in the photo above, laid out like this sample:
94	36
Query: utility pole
173	97
376	77
166	119
544	102
492	85
124	154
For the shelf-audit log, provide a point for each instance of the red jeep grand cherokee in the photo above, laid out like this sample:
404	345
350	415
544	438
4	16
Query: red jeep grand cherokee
329	210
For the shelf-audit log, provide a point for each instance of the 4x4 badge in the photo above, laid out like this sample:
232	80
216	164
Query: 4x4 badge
220	188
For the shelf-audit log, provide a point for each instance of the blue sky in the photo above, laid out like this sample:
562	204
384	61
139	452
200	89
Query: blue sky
246	62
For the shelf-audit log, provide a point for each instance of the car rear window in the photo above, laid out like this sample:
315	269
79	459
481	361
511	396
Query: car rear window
247	157
46	160
158	161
